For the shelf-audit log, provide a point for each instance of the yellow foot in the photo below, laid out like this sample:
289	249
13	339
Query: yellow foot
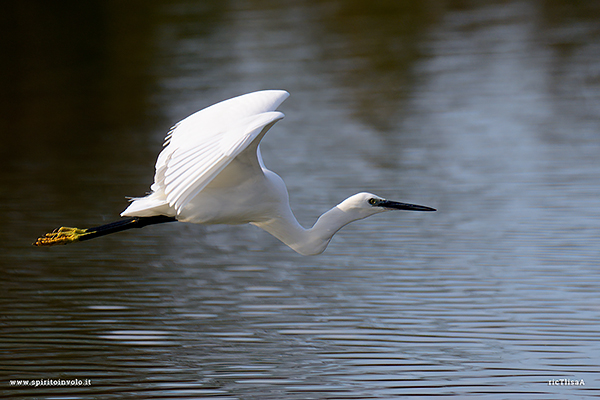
62	235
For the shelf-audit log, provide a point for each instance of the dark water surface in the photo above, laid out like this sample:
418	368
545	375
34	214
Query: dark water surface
487	110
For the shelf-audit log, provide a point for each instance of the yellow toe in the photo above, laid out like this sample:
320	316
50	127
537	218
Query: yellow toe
62	235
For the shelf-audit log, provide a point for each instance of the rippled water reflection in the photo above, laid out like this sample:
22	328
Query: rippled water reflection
487	112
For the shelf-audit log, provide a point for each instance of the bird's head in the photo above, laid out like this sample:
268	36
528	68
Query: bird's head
367	204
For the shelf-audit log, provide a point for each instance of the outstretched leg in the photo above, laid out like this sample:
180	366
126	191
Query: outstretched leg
66	235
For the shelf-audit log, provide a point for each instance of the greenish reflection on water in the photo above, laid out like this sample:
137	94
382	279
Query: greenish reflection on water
487	111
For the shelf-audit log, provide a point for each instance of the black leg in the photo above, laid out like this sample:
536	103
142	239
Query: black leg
66	235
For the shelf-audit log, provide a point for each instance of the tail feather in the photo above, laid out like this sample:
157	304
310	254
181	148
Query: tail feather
151	205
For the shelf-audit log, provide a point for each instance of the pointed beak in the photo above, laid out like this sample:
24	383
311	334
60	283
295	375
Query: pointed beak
396	205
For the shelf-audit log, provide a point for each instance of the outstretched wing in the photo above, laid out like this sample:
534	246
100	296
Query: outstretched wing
203	144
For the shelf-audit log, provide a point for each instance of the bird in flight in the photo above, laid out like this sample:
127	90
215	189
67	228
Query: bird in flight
210	171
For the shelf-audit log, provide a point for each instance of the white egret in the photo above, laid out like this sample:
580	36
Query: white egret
211	172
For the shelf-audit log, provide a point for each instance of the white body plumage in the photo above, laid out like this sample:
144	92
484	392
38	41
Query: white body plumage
211	172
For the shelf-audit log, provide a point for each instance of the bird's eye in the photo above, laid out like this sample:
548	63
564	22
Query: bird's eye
373	201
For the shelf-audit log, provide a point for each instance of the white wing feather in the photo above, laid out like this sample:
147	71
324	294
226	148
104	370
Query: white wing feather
190	169
203	144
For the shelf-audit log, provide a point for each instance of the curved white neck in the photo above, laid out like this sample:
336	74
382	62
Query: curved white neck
311	241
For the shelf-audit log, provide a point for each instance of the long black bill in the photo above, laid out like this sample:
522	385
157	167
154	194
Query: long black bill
396	205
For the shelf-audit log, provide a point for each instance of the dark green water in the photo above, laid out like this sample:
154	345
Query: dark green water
485	110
